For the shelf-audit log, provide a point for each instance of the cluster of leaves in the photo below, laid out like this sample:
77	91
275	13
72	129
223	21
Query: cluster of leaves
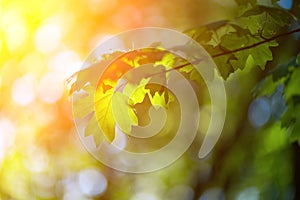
287	74
122	87
281	86
233	44
246	40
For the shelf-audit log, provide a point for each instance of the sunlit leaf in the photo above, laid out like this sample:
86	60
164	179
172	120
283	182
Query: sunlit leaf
167	61
112	106
123	113
103	112
92	129
84	105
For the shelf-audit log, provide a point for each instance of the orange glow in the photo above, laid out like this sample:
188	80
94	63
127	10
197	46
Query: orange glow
42	43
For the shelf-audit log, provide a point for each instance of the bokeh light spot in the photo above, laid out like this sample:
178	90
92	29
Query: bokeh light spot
259	112
251	193
7	135
51	88
48	37
23	90
36	159
144	196
92	182
287	4
215	193
16	35
65	63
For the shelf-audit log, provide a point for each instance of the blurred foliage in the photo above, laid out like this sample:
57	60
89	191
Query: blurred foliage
256	49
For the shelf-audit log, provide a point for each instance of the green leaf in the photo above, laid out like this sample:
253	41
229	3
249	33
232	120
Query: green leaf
92	129
253	11
167	61
291	120
279	16
161	100
270	15
265	87
104	113
292	89
224	65
284	70
104	100
84	105
234	46
260	54
252	52
123	113
200	34
87	75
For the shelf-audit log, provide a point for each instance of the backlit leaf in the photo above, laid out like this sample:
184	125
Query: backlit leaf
123	112
104	114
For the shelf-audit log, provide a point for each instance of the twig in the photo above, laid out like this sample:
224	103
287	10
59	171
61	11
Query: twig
256	44
238	49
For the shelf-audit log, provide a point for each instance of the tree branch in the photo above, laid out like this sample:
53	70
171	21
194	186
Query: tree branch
219	54
256	44
235	50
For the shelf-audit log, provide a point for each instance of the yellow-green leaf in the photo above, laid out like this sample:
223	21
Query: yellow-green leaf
123	114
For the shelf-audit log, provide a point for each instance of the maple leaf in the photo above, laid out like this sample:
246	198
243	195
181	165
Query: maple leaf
103	111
